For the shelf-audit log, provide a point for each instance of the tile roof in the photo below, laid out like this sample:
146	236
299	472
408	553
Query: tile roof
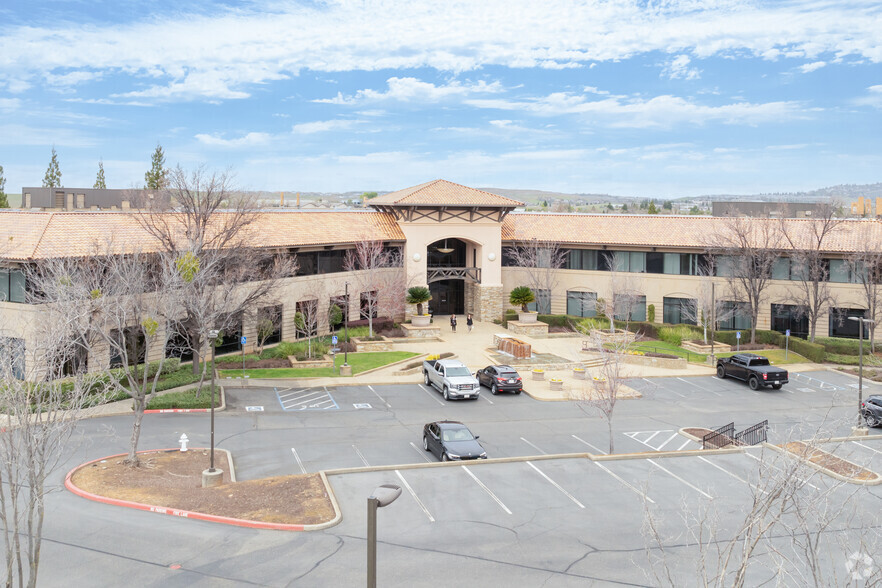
669	231
443	193
38	235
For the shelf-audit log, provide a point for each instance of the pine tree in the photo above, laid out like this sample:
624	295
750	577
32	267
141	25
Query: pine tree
99	180
52	178
156	177
4	202
652	209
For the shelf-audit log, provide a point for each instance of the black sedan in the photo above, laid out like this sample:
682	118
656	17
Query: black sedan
500	378
871	408
451	441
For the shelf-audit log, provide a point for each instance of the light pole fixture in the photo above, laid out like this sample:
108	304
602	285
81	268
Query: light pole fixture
346	327
861	321
212	337
383	496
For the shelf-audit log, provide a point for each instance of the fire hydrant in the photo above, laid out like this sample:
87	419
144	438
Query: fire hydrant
183	441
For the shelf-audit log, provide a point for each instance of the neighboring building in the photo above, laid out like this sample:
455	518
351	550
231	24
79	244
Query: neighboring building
864	207
453	239
760	209
61	198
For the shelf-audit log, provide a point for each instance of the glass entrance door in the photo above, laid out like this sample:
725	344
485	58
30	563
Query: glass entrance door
448	297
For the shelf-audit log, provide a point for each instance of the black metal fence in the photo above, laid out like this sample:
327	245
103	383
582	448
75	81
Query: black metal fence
719	437
753	435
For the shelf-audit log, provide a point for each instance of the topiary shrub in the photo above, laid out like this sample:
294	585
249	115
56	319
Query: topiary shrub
650	313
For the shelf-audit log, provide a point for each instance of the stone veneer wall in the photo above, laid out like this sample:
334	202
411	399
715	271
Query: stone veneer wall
471	304
488	302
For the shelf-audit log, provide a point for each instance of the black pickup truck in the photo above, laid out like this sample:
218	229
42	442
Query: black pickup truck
754	369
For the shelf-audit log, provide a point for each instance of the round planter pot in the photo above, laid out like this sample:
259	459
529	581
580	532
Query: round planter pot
556	384
538	375
420	320
579	374
528	317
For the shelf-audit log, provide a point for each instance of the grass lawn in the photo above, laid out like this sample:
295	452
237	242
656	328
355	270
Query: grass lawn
186	399
776	356
360	362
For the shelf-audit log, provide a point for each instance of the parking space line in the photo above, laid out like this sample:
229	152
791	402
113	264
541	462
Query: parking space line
806	482
670	473
866	447
298	392
657	386
297	457
431	393
556	485
484	397
614	475
671	438
703	389
648	439
533	446
415	497
734	475
361	456
420	451
685	443
486	489
383	400
600	451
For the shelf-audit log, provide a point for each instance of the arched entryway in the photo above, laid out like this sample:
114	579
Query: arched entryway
445	264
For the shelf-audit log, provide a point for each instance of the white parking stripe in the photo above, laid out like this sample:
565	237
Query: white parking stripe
648	439
807	483
604	468
296	392
420	451
361	456
699	387
486	489
866	447
656	386
669	472
556	485
371	388
415	497
533	446
600	451
685	443
736	476
485	398
297	457
432	394
671	438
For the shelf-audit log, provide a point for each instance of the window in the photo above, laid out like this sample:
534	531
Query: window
582	304
840	326
542	304
623	261
735	316
781	269
788	316
269	324
12	285
725	266
629	307
14	349
581	259
679	310
843	272
655	262
130	346
231	334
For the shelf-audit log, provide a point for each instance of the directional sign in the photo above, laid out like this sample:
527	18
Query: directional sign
242	340
334	340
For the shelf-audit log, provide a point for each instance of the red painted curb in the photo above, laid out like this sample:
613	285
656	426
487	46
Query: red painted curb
169	410
169	511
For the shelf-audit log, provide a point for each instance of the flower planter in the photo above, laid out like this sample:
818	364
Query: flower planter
556	384
528	317
420	320
579	373
538	375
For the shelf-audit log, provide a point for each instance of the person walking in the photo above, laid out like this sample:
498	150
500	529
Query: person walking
453	322
469	322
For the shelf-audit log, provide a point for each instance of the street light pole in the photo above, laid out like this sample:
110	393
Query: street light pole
212	336
346	327
383	496
861	321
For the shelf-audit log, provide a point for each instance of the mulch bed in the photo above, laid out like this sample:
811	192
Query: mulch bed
828	461
173	479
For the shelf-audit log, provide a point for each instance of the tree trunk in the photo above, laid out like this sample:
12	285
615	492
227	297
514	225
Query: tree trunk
609	426
132	459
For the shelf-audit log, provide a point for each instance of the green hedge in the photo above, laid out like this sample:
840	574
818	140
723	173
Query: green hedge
812	351
555	320
840	346
646	328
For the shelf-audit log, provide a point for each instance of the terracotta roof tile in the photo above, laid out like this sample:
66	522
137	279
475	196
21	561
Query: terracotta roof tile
443	193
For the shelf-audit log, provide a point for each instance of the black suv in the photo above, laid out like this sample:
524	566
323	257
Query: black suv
500	377
871	409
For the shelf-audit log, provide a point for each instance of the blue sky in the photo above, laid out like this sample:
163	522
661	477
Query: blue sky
661	98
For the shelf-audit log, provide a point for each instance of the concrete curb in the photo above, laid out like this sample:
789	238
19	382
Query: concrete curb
186	514
826	471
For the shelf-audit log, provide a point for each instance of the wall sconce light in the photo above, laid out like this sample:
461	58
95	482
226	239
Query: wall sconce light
417	257
491	256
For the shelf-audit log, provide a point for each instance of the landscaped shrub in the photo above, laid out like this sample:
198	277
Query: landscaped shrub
650	313
837	345
587	324
509	315
675	335
555	320
811	351
645	328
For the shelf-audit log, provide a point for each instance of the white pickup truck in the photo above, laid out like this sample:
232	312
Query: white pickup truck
451	377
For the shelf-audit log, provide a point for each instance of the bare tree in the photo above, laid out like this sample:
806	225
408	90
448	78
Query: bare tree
39	412
539	261
381	291
624	293
707	310
269	321
306	321
809	267
211	231
866	267
600	394
746	250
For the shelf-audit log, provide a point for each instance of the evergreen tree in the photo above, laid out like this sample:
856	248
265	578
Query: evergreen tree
52	179
624	208
4	202
99	180
609	206
652	209
668	205
156	177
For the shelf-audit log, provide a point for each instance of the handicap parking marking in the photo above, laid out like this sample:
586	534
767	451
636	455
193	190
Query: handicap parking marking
642	438
486	489
306	399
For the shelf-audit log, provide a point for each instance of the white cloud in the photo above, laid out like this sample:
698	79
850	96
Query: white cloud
678	69
73	78
322	126
813	66
414	90
248	140
9	104
873	98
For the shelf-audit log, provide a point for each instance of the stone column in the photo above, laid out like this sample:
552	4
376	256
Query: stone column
488	302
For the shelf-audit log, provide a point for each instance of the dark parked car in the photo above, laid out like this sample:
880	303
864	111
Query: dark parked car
753	369
500	378
451	440
871	408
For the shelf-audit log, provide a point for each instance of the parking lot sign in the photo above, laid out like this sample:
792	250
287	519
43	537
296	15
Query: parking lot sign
334	340
242	340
